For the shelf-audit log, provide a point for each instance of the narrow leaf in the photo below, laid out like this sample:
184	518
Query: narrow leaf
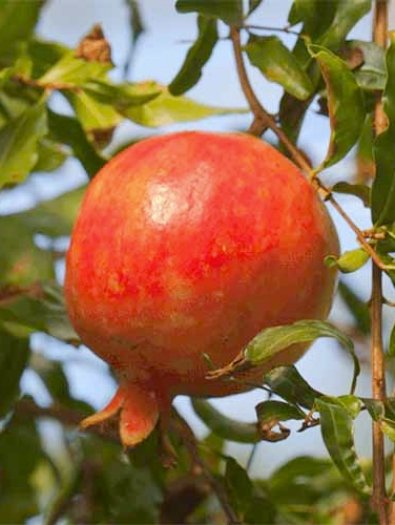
337	433
229	11
384	413
122	96
278	64
45	312
196	58
22	263
358	308
271	414
383	191
349	261
358	190
371	73
346	15
68	130
17	22
74	71
166	109
14	354
286	382
50	156
224	426
345	104
273	340
19	144
54	217
238	486
253	5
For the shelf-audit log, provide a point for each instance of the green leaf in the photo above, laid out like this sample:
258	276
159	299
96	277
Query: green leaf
383	191
371	74
224	426
278	64
347	14
55	380
74	71
238	486
19	144
391	345
44	55
122	96
196	58
97	119
22	263
14	355
273	340
358	308
20	455
44	312
358	190
286	382
50	156
325	23
253	5
166	109
68	130
55	217
116	479
270	415
269	411
307	467
337	433
349	261
384	413
345	104
229	11
17	21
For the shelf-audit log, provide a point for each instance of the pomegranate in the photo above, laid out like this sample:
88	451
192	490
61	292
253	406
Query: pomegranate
190	244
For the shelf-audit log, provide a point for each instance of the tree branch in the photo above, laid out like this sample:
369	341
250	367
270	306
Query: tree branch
261	115
379	498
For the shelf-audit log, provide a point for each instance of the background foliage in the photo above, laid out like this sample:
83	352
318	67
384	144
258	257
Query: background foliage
89	478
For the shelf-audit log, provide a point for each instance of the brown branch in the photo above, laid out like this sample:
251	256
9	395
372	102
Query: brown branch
188	438
261	115
379	497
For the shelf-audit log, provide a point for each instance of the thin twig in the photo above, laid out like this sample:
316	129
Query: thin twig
266	120
271	29
379	498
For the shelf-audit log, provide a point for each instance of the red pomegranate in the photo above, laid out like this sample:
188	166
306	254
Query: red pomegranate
190	244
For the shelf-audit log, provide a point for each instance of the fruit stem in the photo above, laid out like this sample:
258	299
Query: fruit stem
379	498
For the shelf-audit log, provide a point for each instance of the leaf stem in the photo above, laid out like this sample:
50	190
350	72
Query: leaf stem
379	498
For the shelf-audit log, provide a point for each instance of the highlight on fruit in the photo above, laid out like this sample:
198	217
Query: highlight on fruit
187	245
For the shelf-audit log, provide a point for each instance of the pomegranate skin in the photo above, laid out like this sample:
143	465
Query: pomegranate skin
190	244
